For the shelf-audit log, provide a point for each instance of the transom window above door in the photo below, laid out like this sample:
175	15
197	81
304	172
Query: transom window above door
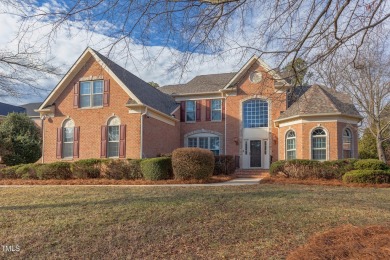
91	93
255	113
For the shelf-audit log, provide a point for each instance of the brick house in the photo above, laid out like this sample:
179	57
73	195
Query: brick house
100	110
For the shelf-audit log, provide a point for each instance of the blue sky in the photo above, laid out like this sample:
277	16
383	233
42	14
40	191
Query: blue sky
148	60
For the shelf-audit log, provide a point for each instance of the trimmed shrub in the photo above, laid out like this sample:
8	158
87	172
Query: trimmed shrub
336	169
224	164
9	172
157	168
302	169
89	168
134	169
192	163
56	170
370	164
367	176
277	167
28	171
123	169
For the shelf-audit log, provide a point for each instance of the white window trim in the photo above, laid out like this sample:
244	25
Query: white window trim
92	94
67	123
119	134
295	144
211	110
268	112
208	136
342	143
191	111
326	143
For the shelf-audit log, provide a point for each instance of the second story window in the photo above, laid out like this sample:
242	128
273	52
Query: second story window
190	111
216	110
91	93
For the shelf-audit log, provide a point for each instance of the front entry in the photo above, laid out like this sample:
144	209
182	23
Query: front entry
255	154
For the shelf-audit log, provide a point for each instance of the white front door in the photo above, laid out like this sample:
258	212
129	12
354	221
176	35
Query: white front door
255	154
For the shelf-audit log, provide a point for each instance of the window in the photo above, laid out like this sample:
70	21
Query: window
113	137
255	113
216	110
192	142
347	144
68	138
318	144
290	145
205	141
91	93
190	111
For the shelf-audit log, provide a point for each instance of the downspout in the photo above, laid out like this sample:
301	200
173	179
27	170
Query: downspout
142	132
225	125
43	137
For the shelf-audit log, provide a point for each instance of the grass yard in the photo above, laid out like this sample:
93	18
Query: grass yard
262	221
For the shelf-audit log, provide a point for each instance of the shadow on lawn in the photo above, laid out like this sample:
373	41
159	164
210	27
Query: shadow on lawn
179	197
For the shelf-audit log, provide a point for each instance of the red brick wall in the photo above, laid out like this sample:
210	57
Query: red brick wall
303	139
90	120
245	90
159	137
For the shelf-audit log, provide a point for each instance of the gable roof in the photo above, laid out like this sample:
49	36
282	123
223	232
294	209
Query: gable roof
136	88
5	109
321	100
30	109
200	84
280	82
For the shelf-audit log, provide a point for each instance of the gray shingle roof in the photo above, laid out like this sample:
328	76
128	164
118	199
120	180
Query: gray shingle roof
147	94
30	107
320	100
5	109
199	84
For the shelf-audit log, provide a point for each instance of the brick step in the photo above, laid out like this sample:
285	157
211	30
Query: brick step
250	173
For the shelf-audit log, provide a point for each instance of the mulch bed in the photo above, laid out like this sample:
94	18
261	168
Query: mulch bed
346	242
214	179
283	180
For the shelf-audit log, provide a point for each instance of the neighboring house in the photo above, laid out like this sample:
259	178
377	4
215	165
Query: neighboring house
101	110
31	113
5	109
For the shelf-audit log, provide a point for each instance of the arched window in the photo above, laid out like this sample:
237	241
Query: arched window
255	113
347	143
113	137
318	143
290	145
67	138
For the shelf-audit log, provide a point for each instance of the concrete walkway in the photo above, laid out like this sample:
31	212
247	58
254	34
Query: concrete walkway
234	182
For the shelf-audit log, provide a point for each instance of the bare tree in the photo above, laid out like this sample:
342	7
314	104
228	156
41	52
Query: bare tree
21	70
367	80
285	29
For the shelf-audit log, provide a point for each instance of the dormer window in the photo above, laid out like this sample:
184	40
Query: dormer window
91	93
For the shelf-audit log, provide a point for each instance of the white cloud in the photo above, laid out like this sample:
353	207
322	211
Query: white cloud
150	63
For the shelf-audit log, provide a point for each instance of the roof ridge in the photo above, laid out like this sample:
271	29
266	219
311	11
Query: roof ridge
329	99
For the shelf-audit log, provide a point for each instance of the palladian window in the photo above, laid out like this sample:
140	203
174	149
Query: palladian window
255	113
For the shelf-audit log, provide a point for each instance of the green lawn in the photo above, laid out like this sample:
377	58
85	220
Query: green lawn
261	221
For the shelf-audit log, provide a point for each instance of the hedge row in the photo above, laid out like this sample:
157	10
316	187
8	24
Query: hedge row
83	169
302	169
367	176
186	163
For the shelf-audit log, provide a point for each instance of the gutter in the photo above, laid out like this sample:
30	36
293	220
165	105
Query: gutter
225	125
142	132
